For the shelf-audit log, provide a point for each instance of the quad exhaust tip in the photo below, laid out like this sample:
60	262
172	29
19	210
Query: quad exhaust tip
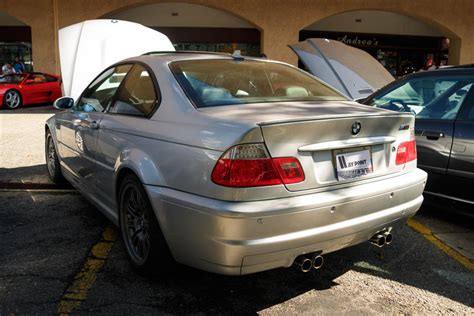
306	263
378	240
388	238
382	238
318	262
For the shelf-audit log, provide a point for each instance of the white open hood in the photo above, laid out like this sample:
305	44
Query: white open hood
350	70
87	48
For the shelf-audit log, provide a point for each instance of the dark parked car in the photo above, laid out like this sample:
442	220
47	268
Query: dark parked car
443	103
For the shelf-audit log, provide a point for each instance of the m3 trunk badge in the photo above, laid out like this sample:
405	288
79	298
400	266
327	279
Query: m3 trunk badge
356	128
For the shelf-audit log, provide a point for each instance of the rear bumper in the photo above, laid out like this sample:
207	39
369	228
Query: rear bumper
246	237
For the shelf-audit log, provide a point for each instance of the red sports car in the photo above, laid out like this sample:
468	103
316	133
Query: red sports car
28	88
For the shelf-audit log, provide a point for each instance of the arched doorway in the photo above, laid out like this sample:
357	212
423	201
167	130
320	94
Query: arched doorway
195	27
402	44
15	41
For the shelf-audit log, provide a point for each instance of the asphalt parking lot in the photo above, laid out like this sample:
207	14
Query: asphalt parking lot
59	254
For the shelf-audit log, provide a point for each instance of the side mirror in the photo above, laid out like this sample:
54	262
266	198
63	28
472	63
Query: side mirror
63	103
29	81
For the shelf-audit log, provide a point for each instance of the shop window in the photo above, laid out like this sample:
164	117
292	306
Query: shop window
8	52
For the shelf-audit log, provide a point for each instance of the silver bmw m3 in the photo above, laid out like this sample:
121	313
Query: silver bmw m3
233	165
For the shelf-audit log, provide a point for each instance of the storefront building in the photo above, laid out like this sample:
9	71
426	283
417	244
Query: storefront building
28	29
15	40
399	54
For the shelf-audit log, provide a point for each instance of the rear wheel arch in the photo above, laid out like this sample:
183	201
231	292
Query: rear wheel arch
160	255
47	129
122	173
52	132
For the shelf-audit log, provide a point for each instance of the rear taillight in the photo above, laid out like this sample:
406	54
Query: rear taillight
406	152
250	166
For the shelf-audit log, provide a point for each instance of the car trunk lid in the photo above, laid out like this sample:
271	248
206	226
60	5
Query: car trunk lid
318	134
339	149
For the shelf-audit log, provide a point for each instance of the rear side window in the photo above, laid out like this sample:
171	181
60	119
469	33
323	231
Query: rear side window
430	98
50	78
215	82
38	78
137	96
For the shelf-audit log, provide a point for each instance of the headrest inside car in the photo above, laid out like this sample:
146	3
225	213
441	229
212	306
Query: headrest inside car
211	94
292	91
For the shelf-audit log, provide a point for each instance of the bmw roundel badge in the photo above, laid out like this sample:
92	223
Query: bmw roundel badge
356	128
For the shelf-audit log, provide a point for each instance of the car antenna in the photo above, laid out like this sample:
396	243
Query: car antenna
236	55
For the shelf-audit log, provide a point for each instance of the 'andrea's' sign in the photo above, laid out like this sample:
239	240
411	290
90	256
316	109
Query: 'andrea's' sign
358	41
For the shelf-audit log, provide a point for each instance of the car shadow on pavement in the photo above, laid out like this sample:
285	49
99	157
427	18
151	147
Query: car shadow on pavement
405	270
408	270
28	177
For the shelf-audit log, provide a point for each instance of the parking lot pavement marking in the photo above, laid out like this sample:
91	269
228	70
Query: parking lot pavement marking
85	279
428	234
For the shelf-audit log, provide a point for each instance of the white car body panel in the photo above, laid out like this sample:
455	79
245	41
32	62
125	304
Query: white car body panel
348	69
88	47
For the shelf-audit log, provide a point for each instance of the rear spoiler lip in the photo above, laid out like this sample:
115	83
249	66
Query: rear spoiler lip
335	117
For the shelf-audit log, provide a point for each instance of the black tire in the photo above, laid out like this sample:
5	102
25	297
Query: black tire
52	160
12	99
141	234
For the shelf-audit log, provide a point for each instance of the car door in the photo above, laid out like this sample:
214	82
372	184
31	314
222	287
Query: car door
79	127
37	88
435	101
461	163
119	135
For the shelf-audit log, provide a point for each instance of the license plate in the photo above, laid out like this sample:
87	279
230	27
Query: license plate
353	164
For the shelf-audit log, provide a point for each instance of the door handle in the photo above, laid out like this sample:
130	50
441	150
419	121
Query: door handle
432	135
93	124
86	123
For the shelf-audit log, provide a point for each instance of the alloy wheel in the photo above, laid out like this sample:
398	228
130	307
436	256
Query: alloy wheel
51	157
12	99
136	230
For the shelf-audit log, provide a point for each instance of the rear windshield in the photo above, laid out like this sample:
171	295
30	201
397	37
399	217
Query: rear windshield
230	82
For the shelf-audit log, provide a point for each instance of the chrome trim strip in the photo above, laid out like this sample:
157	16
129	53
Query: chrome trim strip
450	197
347	143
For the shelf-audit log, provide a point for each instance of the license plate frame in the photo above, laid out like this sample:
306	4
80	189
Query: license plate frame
353	155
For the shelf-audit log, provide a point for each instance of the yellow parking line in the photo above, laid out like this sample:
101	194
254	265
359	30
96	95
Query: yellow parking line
85	279
428	234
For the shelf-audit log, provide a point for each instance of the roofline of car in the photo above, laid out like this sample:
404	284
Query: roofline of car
185	52
460	69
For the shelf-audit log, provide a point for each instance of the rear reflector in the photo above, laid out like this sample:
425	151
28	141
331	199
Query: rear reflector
251	166
406	152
